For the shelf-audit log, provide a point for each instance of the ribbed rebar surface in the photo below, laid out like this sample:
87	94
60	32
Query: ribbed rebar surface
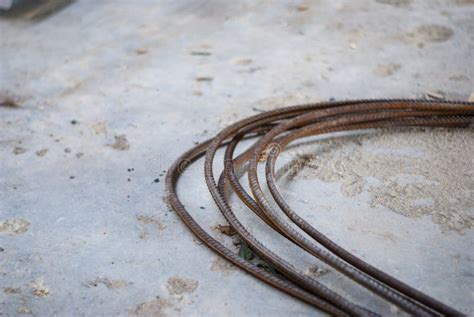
273	131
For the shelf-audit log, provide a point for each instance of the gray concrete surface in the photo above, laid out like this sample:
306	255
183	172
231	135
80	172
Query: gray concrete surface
111	92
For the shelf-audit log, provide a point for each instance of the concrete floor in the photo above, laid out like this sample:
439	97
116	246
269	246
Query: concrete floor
110	93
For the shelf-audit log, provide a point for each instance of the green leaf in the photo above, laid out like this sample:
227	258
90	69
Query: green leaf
245	252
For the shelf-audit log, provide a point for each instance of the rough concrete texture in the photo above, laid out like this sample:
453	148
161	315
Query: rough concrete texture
100	97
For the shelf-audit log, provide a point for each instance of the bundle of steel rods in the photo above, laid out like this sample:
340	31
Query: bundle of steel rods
274	131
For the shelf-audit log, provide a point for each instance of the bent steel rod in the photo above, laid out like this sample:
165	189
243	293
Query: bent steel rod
276	130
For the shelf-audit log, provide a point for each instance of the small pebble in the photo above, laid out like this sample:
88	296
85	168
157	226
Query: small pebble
201	53
204	78
157	180
141	51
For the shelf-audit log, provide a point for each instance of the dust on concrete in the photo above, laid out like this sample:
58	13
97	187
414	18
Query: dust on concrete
416	173
17	150
24	310
242	61
384	235
225	229
178	285
221	265
121	143
109	283
100	127
316	271
8	102
433	33
14	226
12	290
143	235
156	307
150	220
72	89
459	77
463	2
395	3
39	288
385	70
297	164
42	152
